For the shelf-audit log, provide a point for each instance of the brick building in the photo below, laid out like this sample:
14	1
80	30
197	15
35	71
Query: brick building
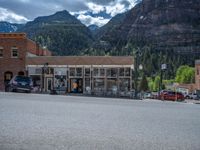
14	48
197	74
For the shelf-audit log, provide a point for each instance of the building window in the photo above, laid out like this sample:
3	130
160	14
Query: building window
1	52
102	72
113	72
87	72
127	72
78	72
96	72
14	52
99	72
121	72
99	85
72	72
124	85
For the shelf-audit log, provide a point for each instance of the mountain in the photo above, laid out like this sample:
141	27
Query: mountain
61	33
93	27
6	27
112	24
166	31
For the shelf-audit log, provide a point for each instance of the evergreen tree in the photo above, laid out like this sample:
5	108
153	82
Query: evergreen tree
144	84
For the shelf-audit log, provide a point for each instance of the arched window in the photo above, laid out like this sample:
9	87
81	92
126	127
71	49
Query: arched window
1	51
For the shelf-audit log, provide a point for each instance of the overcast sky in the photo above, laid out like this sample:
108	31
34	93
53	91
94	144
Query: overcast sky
97	12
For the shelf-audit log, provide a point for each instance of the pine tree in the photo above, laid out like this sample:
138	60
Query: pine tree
144	84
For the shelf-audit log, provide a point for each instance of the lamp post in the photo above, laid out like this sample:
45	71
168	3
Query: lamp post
163	68
137	55
44	71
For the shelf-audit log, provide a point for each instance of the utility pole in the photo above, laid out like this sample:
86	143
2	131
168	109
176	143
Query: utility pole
136	67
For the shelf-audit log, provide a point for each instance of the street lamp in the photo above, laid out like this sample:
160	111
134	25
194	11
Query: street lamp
137	56
44	71
163	68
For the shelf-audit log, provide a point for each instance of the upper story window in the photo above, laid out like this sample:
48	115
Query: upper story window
1	51
14	53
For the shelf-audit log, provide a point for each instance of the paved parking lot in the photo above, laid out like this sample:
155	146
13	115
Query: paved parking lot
31	121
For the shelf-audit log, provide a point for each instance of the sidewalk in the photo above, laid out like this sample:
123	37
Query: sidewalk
192	101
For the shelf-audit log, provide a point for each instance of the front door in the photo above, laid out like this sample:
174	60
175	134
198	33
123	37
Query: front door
49	84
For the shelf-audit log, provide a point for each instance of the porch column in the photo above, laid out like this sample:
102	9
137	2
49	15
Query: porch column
83	76
118	81
131	79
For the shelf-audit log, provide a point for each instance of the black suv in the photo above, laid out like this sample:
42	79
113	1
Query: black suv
20	83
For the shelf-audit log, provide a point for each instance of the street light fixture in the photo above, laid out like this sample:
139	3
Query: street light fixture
44	71
163	68
137	56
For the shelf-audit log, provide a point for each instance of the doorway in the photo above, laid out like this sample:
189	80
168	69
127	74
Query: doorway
7	77
49	84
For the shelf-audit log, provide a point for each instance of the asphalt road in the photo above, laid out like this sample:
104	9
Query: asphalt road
45	122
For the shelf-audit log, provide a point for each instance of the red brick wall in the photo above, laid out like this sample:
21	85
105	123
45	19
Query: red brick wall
7	63
46	53
197	76
32	47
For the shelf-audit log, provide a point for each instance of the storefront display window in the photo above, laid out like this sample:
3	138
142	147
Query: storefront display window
99	85
60	82
87	72
124	85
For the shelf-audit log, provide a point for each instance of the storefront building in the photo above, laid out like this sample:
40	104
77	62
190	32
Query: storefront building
87	74
197	74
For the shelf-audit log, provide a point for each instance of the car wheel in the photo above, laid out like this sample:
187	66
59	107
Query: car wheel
28	91
10	89
6	89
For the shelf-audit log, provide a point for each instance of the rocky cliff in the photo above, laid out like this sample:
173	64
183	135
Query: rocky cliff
166	24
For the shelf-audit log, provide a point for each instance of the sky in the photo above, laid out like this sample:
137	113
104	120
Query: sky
89	12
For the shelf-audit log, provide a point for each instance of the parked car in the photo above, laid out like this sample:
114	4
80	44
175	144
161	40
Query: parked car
192	96
170	95
147	95
154	95
20	83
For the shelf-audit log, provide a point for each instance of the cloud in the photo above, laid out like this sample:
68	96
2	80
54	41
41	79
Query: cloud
6	15
112	8
100	12
115	9
89	20
97	9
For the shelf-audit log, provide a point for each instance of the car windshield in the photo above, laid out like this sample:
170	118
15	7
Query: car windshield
22	79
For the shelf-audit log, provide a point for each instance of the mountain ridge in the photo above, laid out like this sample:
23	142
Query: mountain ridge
61	33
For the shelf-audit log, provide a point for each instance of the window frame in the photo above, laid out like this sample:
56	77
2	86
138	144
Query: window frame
12	49
1	52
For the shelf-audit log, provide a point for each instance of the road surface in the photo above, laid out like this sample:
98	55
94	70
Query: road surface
47	122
